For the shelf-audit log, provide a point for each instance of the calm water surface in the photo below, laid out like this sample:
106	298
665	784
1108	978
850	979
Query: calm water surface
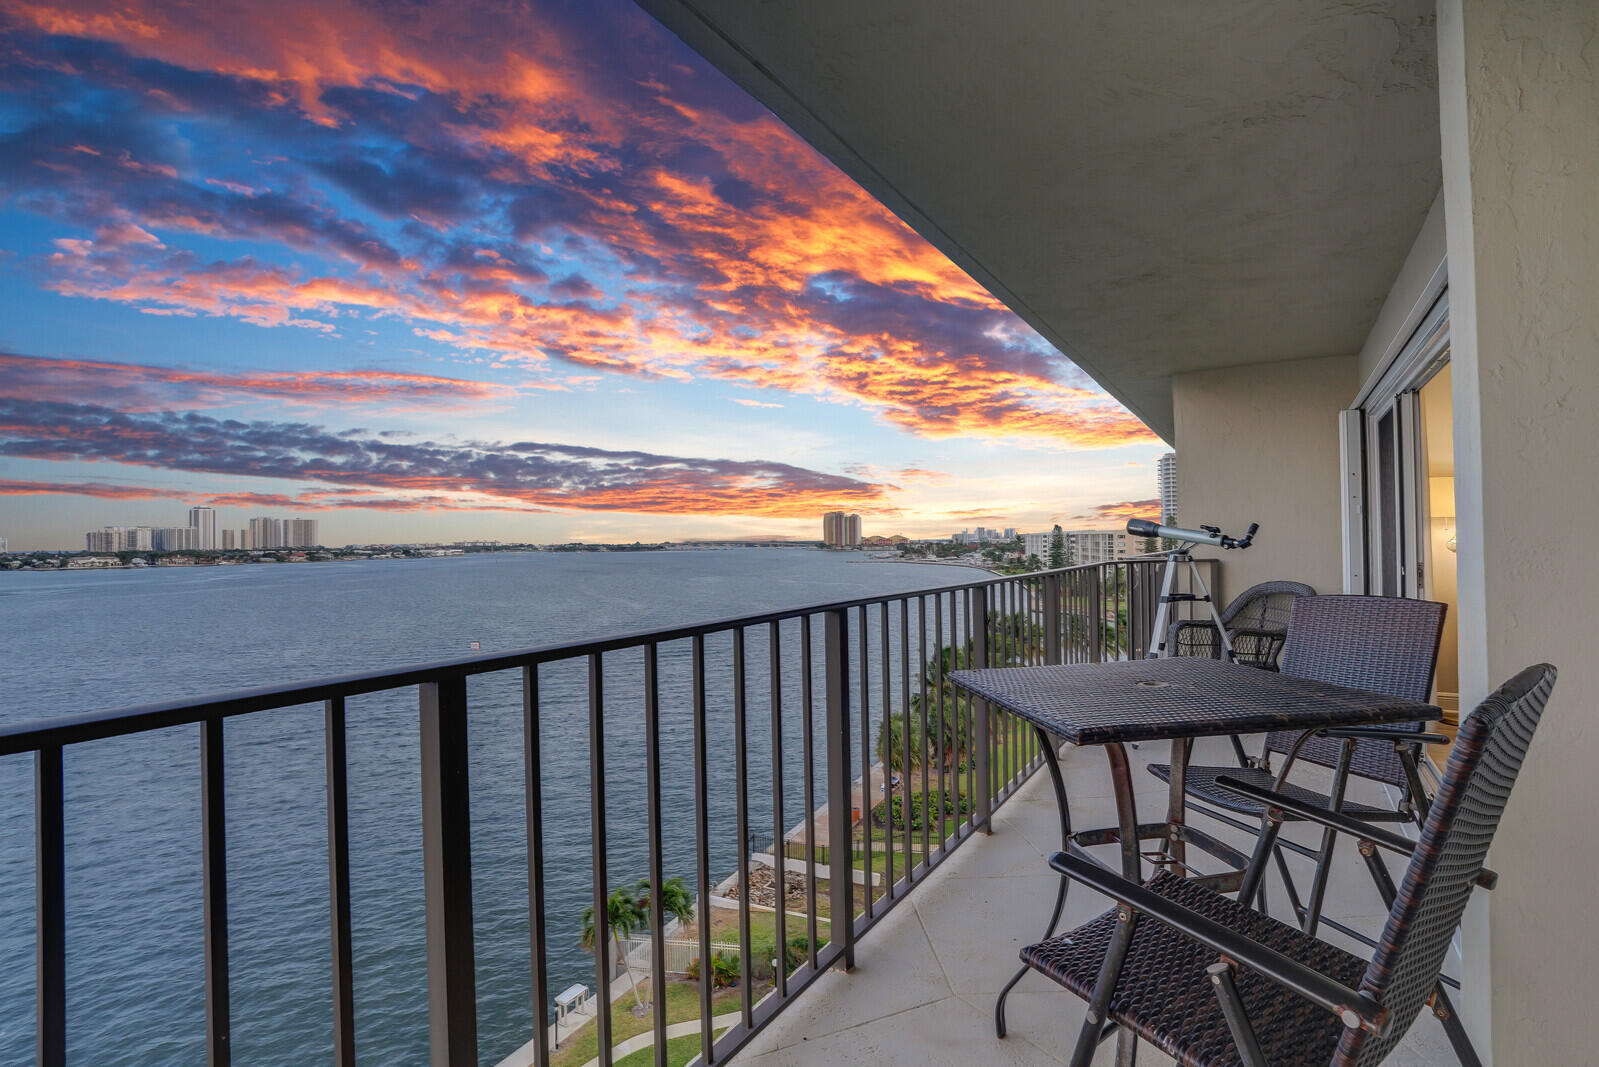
72	642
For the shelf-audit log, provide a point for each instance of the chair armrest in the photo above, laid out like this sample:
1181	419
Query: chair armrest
1375	733
1360	831
1354	1009
1334	820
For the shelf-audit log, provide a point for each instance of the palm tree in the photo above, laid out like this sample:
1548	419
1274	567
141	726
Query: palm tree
891	742
623	915
676	901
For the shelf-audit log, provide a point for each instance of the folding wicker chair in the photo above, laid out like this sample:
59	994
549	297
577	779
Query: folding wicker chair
1256	622
1213	983
1384	645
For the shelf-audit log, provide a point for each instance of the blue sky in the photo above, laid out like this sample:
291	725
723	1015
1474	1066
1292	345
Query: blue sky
527	272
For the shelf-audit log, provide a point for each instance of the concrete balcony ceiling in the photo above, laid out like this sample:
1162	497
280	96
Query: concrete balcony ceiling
1155	187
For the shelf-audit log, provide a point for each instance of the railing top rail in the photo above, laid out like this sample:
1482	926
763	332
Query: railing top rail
36	734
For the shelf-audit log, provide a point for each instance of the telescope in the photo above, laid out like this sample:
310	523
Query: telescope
1205	535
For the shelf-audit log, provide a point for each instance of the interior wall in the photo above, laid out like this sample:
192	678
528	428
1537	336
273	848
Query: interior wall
1260	444
1520	134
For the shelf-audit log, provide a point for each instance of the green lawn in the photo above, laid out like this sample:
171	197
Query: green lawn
682	1004
679	1050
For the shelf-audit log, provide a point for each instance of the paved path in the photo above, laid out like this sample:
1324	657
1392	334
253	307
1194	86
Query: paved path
683	1029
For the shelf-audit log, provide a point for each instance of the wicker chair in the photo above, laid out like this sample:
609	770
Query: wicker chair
1215	984
1256	622
1384	645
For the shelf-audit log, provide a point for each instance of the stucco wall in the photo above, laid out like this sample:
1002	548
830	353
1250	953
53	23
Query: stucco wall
1260	444
1411	295
1520	124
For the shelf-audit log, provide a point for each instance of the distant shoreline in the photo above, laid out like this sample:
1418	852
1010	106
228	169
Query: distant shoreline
54	561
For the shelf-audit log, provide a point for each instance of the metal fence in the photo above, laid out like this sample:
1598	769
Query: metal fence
859	688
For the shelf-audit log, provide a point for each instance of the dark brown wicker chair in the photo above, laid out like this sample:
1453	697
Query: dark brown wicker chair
1256	623
1215	984
1384	645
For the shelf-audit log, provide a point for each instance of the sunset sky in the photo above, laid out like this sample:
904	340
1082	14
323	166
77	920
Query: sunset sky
523	272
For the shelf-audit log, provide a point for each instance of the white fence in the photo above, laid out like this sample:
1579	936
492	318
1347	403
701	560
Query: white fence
680	954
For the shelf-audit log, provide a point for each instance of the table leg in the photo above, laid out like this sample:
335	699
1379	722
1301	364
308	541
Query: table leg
1047	744
1177	801
1121	780
1121	777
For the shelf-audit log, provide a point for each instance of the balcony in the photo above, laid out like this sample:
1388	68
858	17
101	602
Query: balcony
925	981
782	724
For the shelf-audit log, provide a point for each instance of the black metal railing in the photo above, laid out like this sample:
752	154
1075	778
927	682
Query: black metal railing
877	666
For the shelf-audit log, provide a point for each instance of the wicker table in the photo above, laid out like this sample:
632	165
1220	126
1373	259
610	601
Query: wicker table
1176	700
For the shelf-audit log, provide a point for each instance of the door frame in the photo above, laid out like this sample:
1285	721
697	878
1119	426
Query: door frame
1395	391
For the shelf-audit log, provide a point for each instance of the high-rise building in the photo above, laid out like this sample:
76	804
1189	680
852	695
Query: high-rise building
1036	544
1166	474
1010	533
1098	546
173	538
245	540
5	545
266	532
840	530
229	541
204	521
300	533
833	529
120	539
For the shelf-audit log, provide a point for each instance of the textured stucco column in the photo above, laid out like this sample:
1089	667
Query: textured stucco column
1260	444
1520	124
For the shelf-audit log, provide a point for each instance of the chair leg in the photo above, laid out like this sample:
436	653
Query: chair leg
1232	1009
1318	887
1110	971
1465	1052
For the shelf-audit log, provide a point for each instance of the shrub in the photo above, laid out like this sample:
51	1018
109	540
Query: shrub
724	971
925	808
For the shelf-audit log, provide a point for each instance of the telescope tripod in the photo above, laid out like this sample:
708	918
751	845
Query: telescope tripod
1174	559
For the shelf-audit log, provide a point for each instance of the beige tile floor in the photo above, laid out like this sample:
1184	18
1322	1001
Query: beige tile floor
927	976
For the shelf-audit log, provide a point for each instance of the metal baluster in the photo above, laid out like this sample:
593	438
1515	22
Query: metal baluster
921	684
533	811
970	728
807	743
943	740
447	873
598	860
741	785
886	740
339	883
866	771
905	704
983	727
702	847
652	802
50	907
840	882
779	856
214	864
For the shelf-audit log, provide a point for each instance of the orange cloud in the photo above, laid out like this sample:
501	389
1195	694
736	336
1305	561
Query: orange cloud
140	387
101	490
769	268
1119	512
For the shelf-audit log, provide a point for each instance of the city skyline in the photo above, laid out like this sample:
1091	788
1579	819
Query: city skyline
448	275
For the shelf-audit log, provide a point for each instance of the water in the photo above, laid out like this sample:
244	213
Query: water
87	641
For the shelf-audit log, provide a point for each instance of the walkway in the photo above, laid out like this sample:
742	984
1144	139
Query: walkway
683	1029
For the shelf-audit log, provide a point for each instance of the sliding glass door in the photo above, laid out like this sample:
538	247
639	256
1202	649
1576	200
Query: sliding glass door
1399	457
